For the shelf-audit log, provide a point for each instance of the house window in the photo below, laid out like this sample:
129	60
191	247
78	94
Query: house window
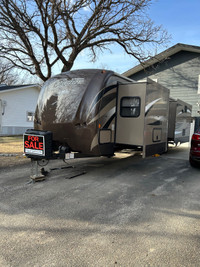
130	107
30	116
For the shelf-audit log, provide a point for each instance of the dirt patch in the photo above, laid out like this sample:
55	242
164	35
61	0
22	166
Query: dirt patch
11	151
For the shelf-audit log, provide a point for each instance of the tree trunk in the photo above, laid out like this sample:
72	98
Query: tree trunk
67	67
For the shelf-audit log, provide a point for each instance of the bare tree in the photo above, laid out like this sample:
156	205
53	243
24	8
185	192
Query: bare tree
7	74
37	34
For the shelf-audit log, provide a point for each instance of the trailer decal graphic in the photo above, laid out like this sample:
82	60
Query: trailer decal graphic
105	110
150	105
109	121
101	96
155	123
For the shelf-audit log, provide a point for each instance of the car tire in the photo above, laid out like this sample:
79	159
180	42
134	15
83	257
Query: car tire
192	163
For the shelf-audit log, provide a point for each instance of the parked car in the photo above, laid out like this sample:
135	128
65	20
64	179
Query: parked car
195	149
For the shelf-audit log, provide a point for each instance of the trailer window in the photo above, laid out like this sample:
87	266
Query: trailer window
130	107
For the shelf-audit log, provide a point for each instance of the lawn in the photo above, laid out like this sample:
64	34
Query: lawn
11	145
12	149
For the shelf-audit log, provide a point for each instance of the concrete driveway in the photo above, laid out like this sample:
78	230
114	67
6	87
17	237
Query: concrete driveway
124	211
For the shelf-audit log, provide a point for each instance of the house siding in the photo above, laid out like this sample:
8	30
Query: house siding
18	103
12	130
180	74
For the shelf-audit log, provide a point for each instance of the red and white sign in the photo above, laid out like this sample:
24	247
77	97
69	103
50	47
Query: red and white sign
34	144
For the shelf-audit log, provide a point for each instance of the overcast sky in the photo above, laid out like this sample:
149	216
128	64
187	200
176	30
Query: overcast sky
181	18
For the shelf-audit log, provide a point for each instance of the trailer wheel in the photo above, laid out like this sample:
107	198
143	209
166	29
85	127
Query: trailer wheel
43	162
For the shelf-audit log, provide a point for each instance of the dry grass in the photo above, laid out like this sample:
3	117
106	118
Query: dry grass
12	145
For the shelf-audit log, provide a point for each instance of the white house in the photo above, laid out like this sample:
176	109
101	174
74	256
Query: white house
17	108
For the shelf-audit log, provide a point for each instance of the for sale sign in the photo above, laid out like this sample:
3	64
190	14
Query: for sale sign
34	144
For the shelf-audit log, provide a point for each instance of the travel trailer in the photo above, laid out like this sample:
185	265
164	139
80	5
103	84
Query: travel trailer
97	112
179	121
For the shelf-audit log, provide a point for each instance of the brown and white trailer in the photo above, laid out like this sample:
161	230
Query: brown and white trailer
96	113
